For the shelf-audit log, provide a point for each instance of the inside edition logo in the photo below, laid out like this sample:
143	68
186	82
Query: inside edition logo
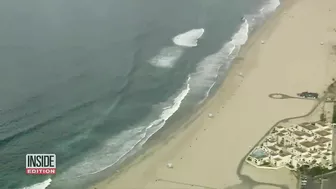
41	164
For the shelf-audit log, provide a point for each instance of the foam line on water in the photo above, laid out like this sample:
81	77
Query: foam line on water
40	185
189	38
167	57
269	6
207	70
118	147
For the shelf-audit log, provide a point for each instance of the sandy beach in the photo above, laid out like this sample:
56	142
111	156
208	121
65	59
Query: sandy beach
296	56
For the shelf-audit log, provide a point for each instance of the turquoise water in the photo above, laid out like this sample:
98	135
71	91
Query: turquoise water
90	80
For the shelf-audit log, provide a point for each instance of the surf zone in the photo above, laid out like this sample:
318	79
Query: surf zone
41	164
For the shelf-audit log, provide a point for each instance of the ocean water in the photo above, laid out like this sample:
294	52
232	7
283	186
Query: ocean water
92	81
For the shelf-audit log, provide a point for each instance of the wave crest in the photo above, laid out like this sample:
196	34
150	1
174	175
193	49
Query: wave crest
207	70
40	185
189	38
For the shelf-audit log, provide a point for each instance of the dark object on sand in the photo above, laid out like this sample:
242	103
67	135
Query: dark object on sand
308	95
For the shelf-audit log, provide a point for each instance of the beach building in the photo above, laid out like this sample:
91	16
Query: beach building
299	144
308	145
308	128
322	124
279	128
270	142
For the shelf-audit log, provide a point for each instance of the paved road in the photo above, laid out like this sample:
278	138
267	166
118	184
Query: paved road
330	183
312	185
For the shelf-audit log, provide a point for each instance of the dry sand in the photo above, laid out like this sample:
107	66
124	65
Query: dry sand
207	154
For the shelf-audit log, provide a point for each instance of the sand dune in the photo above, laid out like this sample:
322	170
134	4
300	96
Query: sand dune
208	153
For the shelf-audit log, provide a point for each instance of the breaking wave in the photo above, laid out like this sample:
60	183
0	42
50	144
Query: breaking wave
168	56
207	70
119	146
40	185
203	79
189	38
269	6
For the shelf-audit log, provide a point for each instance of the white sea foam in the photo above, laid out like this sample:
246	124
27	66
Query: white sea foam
207	70
167	57
189	38
40	185
122	144
204	78
269	6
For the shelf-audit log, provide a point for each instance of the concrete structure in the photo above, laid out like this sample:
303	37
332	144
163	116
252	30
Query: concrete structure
300	144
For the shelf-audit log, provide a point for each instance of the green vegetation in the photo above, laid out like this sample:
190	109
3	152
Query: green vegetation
304	169
323	117
315	171
334	114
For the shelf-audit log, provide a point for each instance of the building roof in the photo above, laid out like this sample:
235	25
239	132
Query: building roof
272	140
307	156
277	159
322	123
309	135
323	133
280	134
283	131
308	144
321	144
284	153
300	150
323	140
272	148
304	123
309	127
299	133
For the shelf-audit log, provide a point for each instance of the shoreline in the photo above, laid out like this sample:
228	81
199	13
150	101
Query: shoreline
225	92
179	127
171	130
